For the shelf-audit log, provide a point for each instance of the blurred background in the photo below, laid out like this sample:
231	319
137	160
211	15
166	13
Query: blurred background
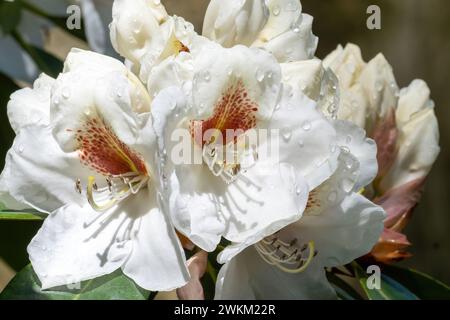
414	38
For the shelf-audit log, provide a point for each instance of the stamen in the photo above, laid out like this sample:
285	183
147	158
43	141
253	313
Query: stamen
286	256
78	186
234	112
118	188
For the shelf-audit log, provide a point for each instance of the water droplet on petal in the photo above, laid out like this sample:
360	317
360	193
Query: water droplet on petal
21	148
276	10
301	143
379	86
207	76
347	185
260	75
286	133
306	125
332	197
66	93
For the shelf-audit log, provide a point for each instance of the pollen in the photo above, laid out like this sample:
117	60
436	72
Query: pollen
100	149
235	110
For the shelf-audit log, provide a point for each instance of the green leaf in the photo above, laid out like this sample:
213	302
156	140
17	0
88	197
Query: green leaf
423	285
6	133
115	286
344	290
390	289
10	14
29	215
60	21
46	62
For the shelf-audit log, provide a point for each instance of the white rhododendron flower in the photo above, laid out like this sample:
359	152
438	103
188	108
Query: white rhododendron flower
238	139
248	201
337	226
403	124
86	155
278	26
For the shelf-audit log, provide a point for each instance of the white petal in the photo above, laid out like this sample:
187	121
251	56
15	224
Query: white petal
264	200
353	139
304	76
43	178
106	91
157	261
173	71
341	233
379	83
235	22
347	63
178	41
192	205
76	244
296	43
91	62
258	71
248	277
31	106
307	139
418	143
135	28
192	187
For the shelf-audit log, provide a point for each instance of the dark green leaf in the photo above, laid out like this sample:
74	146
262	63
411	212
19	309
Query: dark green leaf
46	62
115	286
423	285
343	289
60	21
6	133
10	13
390	289
29	215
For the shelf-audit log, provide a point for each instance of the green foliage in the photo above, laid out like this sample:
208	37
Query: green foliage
6	133
390	289
423	286
115	286
15	215
10	13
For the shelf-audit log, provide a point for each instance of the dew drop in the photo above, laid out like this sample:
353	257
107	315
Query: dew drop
260	75
301	143
286	133
332	197
347	185
66	93
21	148
207	76
379	86
306	125
276	10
